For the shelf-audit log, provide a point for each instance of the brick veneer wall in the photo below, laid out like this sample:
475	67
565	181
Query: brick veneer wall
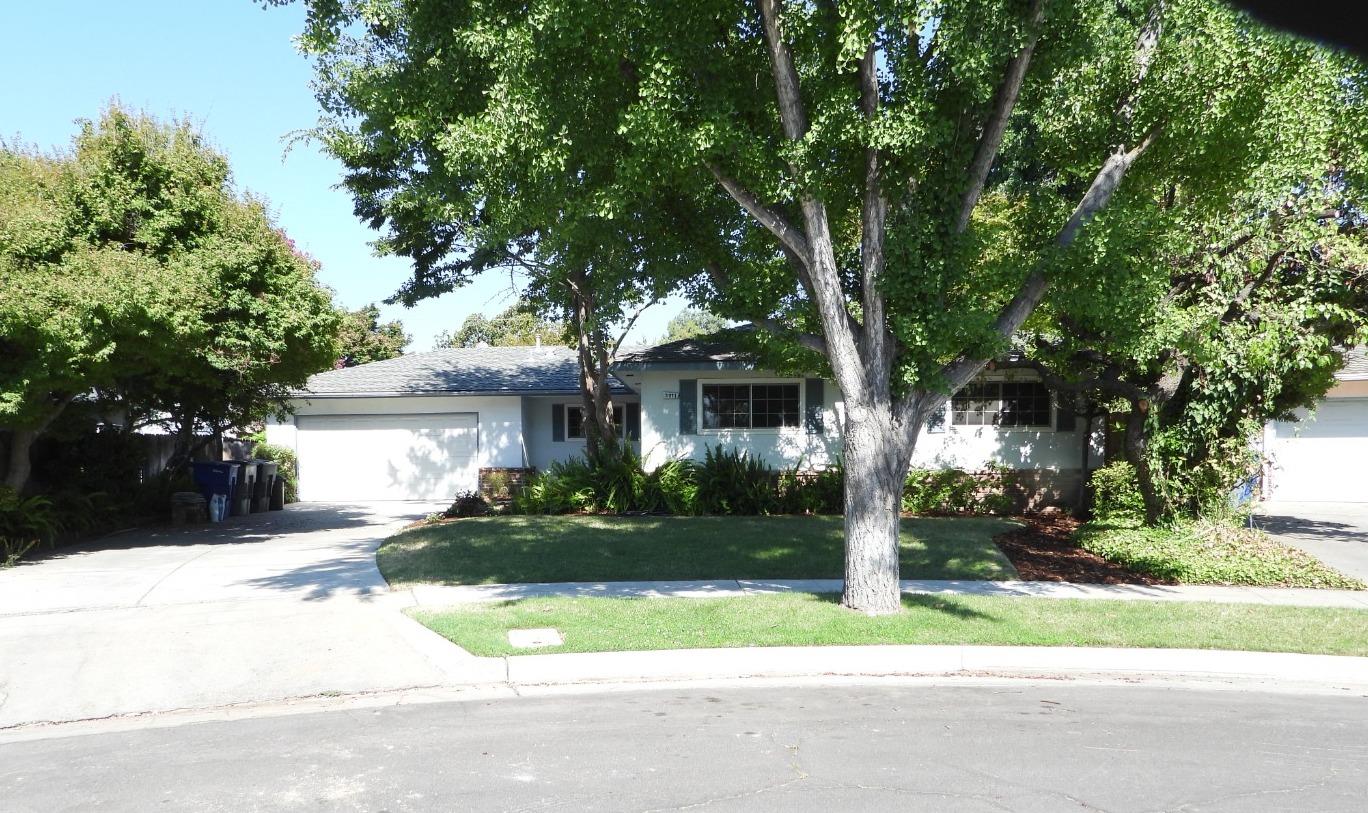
500	484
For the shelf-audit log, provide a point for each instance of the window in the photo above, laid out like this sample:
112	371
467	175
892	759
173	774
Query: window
574	421
1001	403
750	406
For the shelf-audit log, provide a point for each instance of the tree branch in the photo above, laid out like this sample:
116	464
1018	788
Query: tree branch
963	369
617	345
873	216
842	342
792	115
789	236
809	340
1004	100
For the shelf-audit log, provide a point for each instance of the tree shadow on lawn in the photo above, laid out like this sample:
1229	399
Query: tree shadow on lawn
504	550
938	603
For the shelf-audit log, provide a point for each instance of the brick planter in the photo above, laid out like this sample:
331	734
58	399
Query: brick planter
499	485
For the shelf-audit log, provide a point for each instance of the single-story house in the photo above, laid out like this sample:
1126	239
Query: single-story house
423	426
1323	456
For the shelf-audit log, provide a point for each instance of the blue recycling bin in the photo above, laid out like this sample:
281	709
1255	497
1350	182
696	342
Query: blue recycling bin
216	478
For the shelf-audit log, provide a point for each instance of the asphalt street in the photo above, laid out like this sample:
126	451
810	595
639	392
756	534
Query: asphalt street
1008	746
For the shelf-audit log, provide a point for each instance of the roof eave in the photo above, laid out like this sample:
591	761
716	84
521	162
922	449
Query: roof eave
649	366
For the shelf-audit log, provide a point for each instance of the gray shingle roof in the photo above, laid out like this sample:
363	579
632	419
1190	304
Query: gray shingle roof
460	370
1355	363
718	349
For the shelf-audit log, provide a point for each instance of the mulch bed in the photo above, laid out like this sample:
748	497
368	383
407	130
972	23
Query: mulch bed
1044	550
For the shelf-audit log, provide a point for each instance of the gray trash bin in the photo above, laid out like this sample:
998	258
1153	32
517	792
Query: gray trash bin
266	477
246	487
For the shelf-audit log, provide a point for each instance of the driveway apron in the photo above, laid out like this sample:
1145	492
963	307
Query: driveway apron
1335	533
271	606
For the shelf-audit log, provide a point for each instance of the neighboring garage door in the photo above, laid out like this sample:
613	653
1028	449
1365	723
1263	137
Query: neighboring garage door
387	457
1325	458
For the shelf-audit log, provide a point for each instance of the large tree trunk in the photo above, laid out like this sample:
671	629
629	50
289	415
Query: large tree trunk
600	436
20	464
875	470
1137	455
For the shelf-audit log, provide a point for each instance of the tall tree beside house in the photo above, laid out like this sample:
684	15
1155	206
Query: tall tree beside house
691	323
461	182
134	274
1246	329
830	167
517	325
1238	309
364	338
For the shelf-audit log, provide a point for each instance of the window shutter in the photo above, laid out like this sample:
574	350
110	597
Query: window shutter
632	416
935	422
558	422
688	406
816	405
1066	419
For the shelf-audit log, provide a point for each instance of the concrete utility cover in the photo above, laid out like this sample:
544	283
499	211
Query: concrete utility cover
527	639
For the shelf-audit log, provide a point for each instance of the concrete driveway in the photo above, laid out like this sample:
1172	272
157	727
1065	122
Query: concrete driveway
1335	533
267	607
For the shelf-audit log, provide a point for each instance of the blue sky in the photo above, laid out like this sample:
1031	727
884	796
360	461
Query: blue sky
231	67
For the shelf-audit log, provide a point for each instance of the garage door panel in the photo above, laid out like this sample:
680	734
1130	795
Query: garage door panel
1323	457
379	457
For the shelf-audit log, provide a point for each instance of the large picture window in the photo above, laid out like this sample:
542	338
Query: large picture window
574	421
750	406
1001	403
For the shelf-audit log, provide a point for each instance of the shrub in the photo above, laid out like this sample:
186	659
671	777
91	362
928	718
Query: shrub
565	486
1116	494
814	492
672	488
955	491
288	465
939	491
731	482
467	504
618	483
25	523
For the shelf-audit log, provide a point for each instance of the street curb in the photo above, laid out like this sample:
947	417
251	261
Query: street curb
1325	671
489	679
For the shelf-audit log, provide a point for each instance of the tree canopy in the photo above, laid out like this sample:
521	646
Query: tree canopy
894	184
364	338
133	273
690	323
516	325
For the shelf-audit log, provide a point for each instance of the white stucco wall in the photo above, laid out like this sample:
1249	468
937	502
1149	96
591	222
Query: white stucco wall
542	448
500	420
966	447
779	448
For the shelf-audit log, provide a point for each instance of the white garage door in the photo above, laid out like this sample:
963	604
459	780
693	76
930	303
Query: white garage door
1325	458
387	457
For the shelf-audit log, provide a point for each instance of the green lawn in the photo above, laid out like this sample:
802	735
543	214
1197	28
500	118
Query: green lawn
494	550
1210	553
602	624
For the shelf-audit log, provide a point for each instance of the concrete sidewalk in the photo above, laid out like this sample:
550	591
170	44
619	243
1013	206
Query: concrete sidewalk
440	596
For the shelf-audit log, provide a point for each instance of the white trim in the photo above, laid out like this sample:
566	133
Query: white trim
766	430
